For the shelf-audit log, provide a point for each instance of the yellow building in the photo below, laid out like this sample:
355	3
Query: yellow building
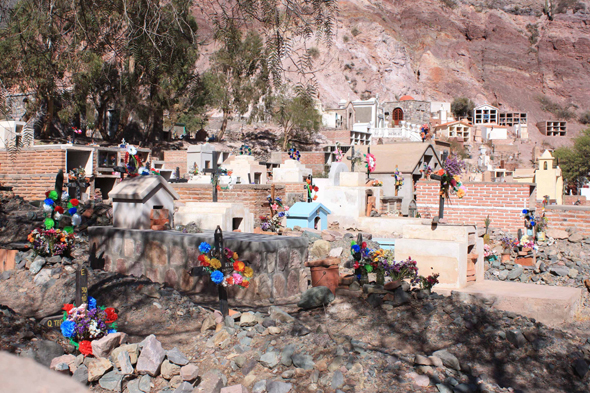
547	176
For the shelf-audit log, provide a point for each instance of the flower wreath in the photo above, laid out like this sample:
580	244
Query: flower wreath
210	260
83	324
294	154
370	162
132	161
245	150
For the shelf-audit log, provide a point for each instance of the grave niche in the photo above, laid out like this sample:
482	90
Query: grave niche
134	198
292	171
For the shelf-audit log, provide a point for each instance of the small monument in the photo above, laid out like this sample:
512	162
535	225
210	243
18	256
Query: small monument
135	198
308	215
292	171
246	170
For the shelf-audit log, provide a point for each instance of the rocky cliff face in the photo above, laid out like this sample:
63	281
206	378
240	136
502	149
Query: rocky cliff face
509	54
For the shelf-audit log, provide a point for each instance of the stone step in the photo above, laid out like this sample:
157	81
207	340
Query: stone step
547	304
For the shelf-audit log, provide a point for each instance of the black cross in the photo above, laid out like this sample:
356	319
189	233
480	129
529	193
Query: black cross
215	172
368	171
310	190
441	200
78	186
81	298
351	158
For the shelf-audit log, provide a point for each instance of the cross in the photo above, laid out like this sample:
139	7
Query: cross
351	158
215	172
441	201
55	321
368	171
309	189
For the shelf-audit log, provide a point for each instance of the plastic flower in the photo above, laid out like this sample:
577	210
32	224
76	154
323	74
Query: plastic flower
364	245
72	210
237	278
48	202
204	247
274	206
85	348
132	150
201	258
239	266
286	208
112	331
369	268
91	303
245	283
74	202
460	193
315	197
59	209
52	195
49	223
215	263
356	248
235	255
111	315
217	276
248	272
356	265
281	214
68	328
67	307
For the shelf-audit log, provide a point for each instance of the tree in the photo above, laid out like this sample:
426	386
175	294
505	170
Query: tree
238	76
462	107
575	161
295	114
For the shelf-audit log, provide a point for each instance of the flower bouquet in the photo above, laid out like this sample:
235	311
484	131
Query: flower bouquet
402	270
362	262
399	180
86	323
450	178
50	242
376	183
370	162
239	275
426	171
311	189
489	254
426	283
273	223
245	150
339	154
55	208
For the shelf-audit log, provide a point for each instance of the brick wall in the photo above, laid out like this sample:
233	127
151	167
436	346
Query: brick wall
251	195
33	171
176	158
576	218
503	202
342	136
572	199
314	160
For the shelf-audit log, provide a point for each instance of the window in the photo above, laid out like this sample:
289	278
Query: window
545	165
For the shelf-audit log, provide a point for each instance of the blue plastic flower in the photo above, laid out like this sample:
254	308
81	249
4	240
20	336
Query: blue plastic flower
204	248
525	211
281	214
356	248
49	202
67	328
91	303
217	277
112	331
72	210
532	223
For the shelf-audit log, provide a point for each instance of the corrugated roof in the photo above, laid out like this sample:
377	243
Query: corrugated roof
403	155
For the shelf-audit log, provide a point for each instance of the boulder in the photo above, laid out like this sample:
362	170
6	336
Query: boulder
335	252
176	357
315	297
168	369
516	338
111	381
248	319
184	387
269	359
560	271
103	347
151	357
320	249
67	359
235	389
303	361
124	362
211	382
190	372
576	237
81	374
131	349
37	265
278	387
448	359
279	315
45	351
97	368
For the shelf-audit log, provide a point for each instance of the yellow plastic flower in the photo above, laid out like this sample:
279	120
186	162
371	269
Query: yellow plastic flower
207	259
248	272
235	256
215	263
460	193
457	178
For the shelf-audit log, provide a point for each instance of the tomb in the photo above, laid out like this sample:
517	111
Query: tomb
246	170
134	198
485	114
202	155
107	158
168	256
552	128
308	215
335	169
453	251
208	215
292	171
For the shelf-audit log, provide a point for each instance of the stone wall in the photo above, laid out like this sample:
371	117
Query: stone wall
252	196
503	202
417	112
176	158
167	256
33	171
314	160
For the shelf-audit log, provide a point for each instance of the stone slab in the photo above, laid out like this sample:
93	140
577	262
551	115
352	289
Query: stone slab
547	304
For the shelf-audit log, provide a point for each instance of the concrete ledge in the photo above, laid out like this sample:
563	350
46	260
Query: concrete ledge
547	304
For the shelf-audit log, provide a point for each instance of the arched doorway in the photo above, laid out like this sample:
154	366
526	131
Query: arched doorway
397	116
317	223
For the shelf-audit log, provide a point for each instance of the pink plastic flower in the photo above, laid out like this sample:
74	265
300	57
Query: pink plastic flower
286	208
237	278
274	206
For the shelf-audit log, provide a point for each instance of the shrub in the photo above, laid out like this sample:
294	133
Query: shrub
314	52
345	39
355	32
585	118
462	107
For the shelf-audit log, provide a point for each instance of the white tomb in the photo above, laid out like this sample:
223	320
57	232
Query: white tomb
336	168
202	155
246	170
208	215
292	171
134	198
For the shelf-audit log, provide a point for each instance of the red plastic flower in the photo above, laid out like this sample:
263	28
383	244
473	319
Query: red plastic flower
67	307
201	258
111	315
357	265
245	283
74	202
315	188
364	245
239	266
230	281
85	348
59	209
46	194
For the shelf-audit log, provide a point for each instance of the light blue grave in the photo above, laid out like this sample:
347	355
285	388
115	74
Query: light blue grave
308	215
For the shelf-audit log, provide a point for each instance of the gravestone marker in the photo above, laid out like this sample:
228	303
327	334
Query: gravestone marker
55	321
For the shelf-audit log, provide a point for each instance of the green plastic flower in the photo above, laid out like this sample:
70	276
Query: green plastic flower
369	268
53	195
49	223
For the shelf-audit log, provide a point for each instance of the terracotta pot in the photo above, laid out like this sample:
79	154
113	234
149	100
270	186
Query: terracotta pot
527	249
325	277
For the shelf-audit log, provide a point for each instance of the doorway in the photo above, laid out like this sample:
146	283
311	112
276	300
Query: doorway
398	115
317	223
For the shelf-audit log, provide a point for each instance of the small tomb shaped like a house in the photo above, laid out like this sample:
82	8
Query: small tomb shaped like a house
308	215
134	199
246	170
292	171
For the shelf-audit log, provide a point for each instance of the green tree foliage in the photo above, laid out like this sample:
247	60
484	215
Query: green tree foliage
238	76
462	107
134	56
296	115
575	161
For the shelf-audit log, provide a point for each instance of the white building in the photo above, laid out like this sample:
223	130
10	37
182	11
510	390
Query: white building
485	114
494	132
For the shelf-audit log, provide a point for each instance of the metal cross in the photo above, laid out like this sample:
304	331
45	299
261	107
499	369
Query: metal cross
351	158
215	172
441	200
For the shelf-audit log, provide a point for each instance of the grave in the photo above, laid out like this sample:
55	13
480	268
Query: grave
135	198
335	169
246	170
292	171
453	251
202	155
208	215
308	215
168	257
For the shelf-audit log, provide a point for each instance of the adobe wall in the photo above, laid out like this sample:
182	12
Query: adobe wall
33	171
503	202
